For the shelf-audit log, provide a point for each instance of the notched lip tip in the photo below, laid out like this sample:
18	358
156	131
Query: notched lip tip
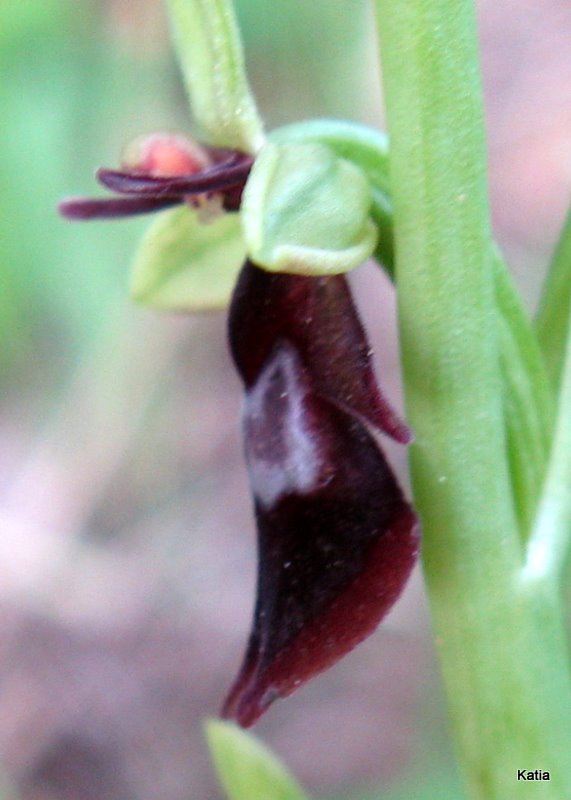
245	708
244	717
401	433
406	436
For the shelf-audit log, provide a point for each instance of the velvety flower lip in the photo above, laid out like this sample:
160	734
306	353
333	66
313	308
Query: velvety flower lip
225	175
336	537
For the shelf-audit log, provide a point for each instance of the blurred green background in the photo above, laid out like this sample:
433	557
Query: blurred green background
127	547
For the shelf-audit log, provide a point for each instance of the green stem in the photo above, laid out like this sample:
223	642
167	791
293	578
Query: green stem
501	642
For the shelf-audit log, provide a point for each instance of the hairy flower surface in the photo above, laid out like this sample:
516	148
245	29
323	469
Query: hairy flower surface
337	539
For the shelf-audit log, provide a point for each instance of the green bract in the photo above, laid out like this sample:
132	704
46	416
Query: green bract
188	265
306	211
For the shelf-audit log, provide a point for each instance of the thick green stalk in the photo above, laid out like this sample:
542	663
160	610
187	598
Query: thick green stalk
500	640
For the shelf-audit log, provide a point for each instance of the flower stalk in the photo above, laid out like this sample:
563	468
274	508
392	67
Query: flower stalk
500	640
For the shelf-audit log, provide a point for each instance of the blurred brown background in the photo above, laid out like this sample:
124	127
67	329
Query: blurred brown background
127	550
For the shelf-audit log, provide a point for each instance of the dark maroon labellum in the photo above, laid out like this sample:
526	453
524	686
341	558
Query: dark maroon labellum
337	539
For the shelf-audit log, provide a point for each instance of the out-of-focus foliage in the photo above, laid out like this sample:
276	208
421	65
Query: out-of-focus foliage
60	92
286	43
424	786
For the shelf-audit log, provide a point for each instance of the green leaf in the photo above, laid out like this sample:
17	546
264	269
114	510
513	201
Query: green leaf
555	307
246	768
549	545
551	539
527	398
207	40
304	210
186	265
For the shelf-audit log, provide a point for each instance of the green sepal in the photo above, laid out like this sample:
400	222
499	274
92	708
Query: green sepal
246	768
307	211
209	48
184	264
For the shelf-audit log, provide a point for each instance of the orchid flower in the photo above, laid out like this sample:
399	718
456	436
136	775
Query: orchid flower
337	539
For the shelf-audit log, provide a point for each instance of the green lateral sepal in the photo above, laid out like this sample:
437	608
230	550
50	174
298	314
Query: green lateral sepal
184	264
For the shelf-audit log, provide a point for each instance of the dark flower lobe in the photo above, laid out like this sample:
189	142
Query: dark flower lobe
318	316
337	539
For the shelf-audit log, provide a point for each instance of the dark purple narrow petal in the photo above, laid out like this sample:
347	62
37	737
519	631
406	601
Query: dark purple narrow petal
84	208
319	317
337	540
232	198
215	179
